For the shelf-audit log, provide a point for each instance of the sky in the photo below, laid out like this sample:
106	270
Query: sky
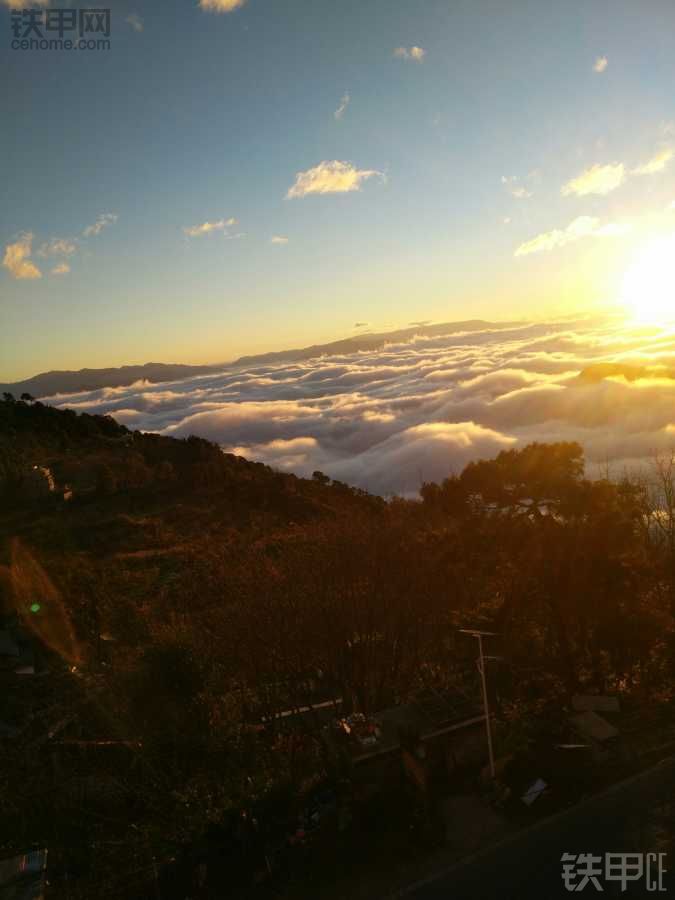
235	177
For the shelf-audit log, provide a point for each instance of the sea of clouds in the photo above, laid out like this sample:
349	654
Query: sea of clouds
415	411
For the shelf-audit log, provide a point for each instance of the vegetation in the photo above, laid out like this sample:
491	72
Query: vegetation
183	597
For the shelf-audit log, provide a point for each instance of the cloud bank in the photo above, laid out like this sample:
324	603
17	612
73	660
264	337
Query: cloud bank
388	420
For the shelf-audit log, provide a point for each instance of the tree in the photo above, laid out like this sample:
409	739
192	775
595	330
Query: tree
536	476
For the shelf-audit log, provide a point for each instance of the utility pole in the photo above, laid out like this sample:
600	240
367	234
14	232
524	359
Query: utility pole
480	663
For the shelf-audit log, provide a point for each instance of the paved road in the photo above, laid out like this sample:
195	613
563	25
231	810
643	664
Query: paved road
528	867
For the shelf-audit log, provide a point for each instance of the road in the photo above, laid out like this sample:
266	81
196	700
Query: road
636	815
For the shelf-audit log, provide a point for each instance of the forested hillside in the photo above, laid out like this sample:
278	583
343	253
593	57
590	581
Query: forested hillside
176	600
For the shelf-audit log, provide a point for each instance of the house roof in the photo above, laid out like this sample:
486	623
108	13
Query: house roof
592	726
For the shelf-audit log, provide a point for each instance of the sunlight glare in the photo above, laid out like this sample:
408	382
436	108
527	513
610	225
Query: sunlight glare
648	290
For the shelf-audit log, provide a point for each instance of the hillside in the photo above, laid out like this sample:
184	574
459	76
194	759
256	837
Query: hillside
168	611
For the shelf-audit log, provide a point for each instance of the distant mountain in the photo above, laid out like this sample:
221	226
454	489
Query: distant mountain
370	341
72	382
67	382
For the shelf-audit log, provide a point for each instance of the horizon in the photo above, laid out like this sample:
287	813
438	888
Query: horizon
361	333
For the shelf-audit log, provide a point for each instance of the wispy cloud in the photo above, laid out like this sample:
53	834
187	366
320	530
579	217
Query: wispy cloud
600	64
331	177
361	324
58	247
657	163
342	108
412	54
209	227
17	259
221	6
135	21
581	227
17	255
103	221
514	186
279	239
596	180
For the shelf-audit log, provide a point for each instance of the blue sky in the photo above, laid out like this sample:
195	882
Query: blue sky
203	117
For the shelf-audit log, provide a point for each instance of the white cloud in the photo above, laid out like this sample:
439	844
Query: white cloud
581	227
221	6
331	177
412	54
596	180
426	452
58	247
103	221
515	187
135	21
210	227
600	64
17	259
61	269
279	239
657	163
417	410
344	103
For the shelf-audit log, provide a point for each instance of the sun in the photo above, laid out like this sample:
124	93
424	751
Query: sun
648	289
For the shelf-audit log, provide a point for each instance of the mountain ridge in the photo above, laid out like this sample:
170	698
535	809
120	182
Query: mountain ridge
56	381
